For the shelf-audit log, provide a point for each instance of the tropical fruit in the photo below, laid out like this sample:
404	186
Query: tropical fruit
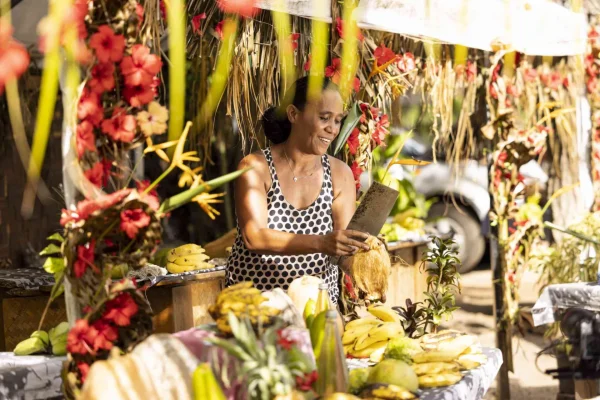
434	368
32	345
384	313
205	384
364	336
443	379
394	372
189	257
370	270
387	392
357	379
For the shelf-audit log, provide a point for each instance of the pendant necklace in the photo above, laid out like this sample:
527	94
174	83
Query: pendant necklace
292	169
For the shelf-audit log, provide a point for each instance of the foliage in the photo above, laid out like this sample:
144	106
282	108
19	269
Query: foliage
55	264
271	364
441	265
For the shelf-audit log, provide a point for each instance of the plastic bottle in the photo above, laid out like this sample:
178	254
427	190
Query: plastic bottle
322	299
331	363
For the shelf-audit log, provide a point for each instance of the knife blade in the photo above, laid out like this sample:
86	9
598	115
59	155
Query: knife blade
373	210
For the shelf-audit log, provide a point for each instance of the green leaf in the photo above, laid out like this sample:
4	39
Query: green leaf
54	265
180	199
350	123
57	237
50	249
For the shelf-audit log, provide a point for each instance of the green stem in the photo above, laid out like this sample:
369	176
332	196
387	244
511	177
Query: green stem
159	179
572	233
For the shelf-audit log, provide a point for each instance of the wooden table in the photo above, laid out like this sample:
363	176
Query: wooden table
179	302
407	280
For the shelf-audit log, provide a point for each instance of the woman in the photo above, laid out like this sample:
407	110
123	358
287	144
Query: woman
293	206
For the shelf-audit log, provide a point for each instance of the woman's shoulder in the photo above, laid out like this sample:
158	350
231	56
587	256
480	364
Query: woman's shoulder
255	160
339	169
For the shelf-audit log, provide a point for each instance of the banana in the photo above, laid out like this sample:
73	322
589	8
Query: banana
205	384
385	331
29	346
185	250
178	269
377	355
360	322
43	335
384	313
434	368
471	361
59	348
444	379
192	259
348	349
237	286
367	351
350	335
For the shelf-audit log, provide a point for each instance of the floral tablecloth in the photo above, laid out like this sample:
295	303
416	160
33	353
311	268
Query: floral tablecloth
563	296
30	377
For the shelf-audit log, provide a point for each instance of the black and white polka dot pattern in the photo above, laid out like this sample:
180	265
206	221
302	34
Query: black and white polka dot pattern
274	271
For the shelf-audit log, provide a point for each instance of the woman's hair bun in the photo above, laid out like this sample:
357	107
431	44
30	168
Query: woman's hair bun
276	127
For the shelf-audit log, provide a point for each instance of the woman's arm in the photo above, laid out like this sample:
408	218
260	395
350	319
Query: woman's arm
251	208
344	194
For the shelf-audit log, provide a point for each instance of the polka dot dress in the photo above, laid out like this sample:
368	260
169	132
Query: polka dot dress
275	271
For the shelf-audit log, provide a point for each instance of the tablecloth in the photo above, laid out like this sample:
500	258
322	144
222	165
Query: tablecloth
473	386
563	296
30	377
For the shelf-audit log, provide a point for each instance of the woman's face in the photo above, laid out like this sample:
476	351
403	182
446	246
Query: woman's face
319	123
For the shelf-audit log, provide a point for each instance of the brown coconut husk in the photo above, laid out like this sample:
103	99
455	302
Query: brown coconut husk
370	270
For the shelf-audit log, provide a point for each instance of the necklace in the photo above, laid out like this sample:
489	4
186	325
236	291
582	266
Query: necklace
292	169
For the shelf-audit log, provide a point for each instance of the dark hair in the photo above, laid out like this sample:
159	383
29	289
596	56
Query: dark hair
276	126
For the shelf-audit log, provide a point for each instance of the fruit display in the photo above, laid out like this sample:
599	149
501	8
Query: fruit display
369	337
189	257
242	299
370	271
386	392
41	342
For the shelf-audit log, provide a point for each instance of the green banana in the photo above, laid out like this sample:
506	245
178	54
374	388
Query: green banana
29	346
43	335
58	332
60	348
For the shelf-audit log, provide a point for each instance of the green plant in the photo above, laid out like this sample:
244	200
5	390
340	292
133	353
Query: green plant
441	265
413	318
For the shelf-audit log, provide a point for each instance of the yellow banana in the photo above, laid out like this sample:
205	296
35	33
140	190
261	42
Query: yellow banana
192	259
444	379
434	368
471	361
350	335
178	269
367	351
360	322
185	250
384	313
385	331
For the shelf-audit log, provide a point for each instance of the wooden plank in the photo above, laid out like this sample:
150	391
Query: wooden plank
161	302
191	302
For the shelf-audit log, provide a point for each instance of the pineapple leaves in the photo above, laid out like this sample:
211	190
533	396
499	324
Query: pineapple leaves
350	122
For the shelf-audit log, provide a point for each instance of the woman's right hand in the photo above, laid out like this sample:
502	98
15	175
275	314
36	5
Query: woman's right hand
343	242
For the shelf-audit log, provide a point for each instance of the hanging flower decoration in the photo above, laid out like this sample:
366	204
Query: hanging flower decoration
396	72
197	22
334	72
592	69
339	27
370	133
243	8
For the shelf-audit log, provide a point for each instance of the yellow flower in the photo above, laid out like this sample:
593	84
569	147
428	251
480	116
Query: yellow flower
188	177
205	200
153	121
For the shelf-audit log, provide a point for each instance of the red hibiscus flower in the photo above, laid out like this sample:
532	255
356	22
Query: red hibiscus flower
294	38
219	29
356	172
139	95
81	337
120	127
109	200
95	174
133	220
103	78
353	141
106	335
283	341
381	130
89	107
139	12
305	383
243	8
84	370
85	138
141	67
356	84
383	55
552	81
334	71
107	45
163	9
339	26
14	58
471	71
106	167
307	64
121	309
407	62
151	198
85	258
530	75
197	22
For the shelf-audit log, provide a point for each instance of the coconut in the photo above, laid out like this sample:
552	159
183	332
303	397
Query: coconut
370	270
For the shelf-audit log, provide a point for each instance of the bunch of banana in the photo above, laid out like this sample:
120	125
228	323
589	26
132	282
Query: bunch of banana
368	337
42	342
382	391
189	257
445	346
243	300
205	384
